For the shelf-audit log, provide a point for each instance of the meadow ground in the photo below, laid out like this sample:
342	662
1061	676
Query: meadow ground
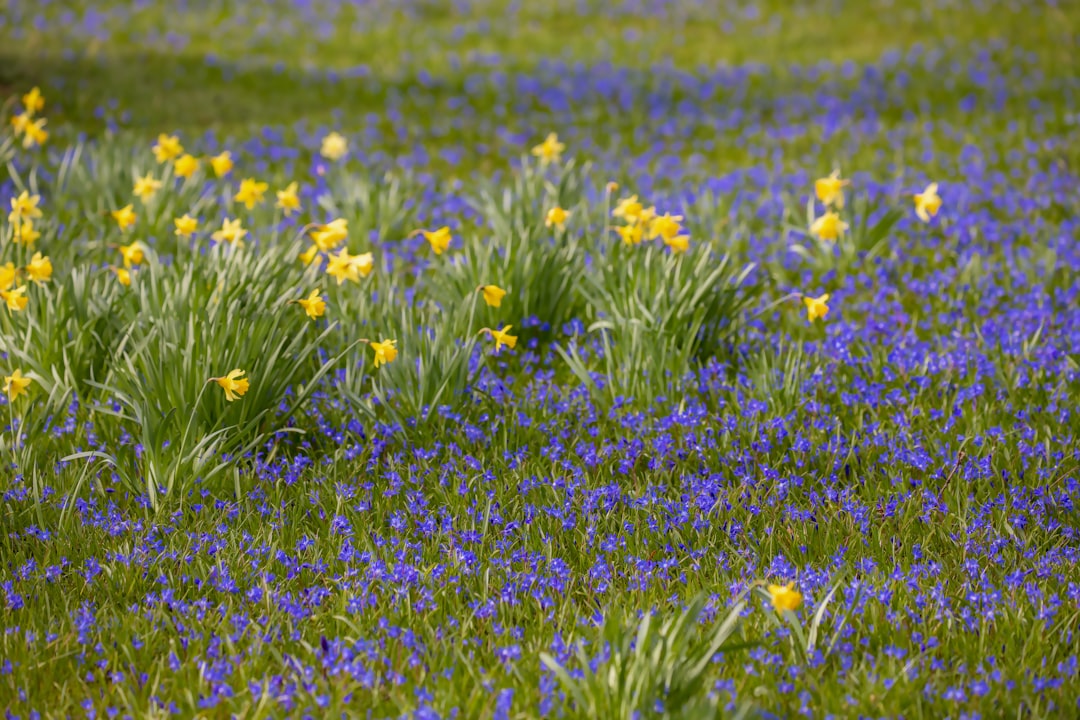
719	378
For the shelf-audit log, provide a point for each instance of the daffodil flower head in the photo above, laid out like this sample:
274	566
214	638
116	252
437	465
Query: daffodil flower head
222	163
125	217
24	207
234	384
123	275
146	187
665	226
816	307
287	199
550	150
631	234
678	244
186	166
16	384
502	337
785	597
35	133
628	208
26	234
556	217
829	227
15	298
186	226
385	352
8	275
251	192
231	232
39	269
927	203
438	239
334	147
33	101
343	266
830	190
313	304
168	147
133	254
493	295
330	235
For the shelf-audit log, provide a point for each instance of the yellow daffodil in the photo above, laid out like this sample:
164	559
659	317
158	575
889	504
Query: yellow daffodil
313	304
630	234
33	101
222	163
785	597
15	385
287	201
310	255
24	207
251	192
549	151
19	122
35	133
829	227
927	203
146	187
167	148
234	384
26	234
830	190
439	239
186	166
15	298
343	267
39	269
493	295
665	227
123	275
385	352
8	275
231	232
334	147
329	236
678	244
125	217
627	209
556	217
365	263
186	226
502	337
816	307
133	254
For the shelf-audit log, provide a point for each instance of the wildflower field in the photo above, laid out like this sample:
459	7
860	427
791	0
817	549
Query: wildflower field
486	359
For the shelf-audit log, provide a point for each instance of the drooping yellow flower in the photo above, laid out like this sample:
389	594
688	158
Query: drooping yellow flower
8	275
24	207
785	597
678	244
33	101
146	187
186	166
627	208
231	232
493	295
329	236
26	234
310	255
313	304
665	227
167	148
439	239
133	254
39	269
222	163
15	385
816	307
630	234
19	123
125	217
830	190
343	266
502	337
186	226
287	201
927	203
15	298
549	151
385	352
251	192
35	133
123	275
234	384
556	216
365	263
829	227
334	147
